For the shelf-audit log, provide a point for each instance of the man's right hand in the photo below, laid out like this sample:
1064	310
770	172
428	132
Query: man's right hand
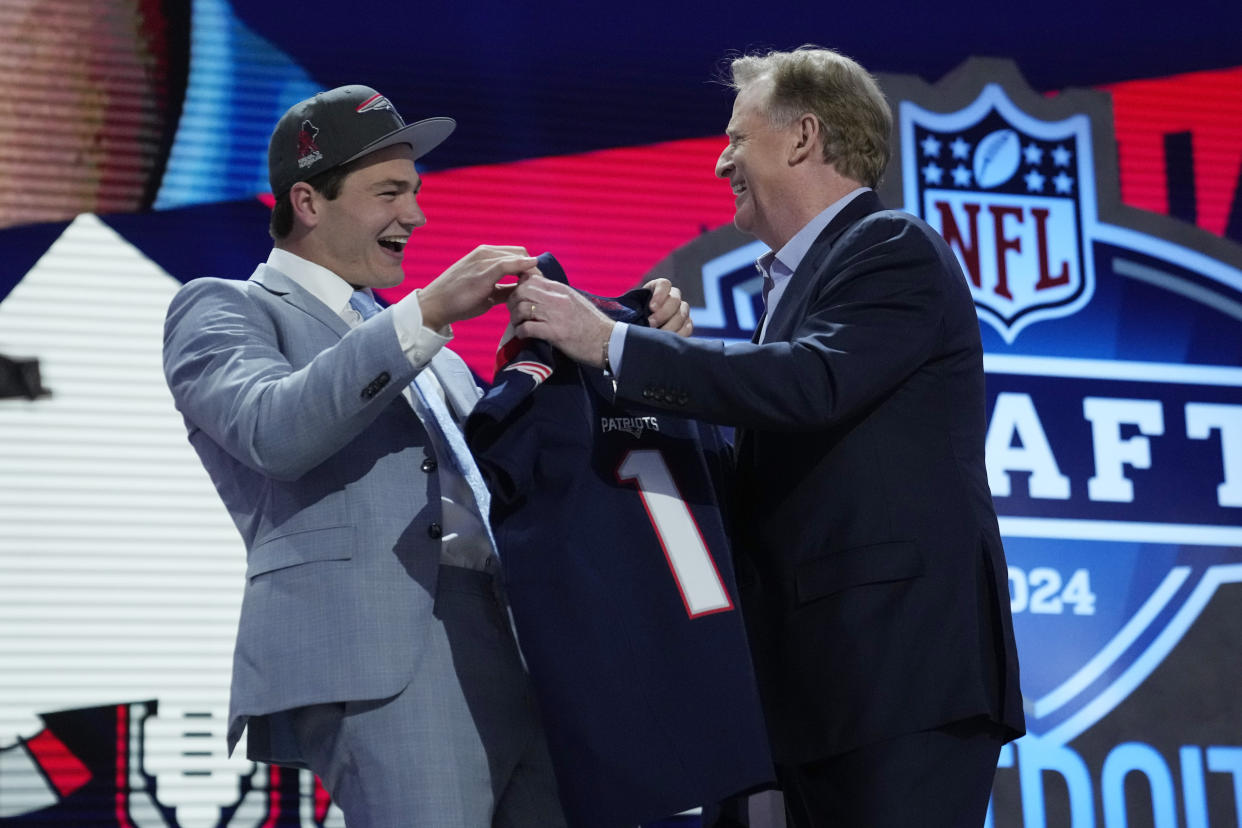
469	287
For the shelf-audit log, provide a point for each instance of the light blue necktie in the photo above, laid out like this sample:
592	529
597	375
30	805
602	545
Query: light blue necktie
449	432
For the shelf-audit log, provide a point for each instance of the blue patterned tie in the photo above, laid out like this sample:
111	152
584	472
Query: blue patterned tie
424	386
768	284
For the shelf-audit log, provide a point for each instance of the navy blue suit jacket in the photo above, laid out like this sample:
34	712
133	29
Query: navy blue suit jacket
869	562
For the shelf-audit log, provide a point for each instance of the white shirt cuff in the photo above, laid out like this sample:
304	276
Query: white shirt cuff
419	342
616	347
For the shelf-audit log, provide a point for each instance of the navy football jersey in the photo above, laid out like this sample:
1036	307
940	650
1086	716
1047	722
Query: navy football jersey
618	571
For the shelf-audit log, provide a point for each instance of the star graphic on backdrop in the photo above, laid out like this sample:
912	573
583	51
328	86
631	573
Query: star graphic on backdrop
1034	181
932	173
960	148
961	175
931	146
1033	153
1063	183
1060	156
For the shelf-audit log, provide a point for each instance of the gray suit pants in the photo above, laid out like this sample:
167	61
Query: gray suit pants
460	747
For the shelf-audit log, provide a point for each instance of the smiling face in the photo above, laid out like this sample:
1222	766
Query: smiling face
756	164
361	234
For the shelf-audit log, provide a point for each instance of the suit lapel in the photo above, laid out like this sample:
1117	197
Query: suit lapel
792	306
793	303
457	381
277	283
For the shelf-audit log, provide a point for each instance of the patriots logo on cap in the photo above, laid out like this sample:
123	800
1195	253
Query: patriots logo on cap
308	151
376	101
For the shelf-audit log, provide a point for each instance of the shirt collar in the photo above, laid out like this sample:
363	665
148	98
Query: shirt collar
317	280
785	261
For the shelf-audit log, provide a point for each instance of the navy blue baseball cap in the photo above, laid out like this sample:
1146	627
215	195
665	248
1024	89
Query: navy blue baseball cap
339	126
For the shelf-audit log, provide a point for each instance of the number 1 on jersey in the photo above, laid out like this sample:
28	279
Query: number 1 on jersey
688	557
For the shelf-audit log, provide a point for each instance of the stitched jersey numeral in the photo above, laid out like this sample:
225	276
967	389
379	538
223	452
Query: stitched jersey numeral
691	563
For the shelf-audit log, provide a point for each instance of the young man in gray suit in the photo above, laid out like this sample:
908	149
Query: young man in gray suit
869	557
374	646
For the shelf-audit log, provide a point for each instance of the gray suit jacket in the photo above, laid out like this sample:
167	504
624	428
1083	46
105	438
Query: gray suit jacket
329	476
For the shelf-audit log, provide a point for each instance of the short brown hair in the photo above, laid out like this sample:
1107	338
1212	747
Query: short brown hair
327	182
853	114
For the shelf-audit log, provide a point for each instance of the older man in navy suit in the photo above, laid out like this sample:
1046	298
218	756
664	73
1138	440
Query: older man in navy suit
374	646
870	561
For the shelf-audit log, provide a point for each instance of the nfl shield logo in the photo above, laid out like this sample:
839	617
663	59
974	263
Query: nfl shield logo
1013	196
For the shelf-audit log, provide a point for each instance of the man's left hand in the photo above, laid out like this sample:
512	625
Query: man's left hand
668	311
542	309
552	311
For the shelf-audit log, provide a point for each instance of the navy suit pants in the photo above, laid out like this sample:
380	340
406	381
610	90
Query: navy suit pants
939	778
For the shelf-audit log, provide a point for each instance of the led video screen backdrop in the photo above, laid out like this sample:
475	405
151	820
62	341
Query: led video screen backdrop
1099	223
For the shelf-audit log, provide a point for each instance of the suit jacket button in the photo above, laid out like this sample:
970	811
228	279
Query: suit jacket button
376	385
646	393
434	531
683	398
429	465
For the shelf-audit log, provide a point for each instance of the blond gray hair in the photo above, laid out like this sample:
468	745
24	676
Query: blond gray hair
854	117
